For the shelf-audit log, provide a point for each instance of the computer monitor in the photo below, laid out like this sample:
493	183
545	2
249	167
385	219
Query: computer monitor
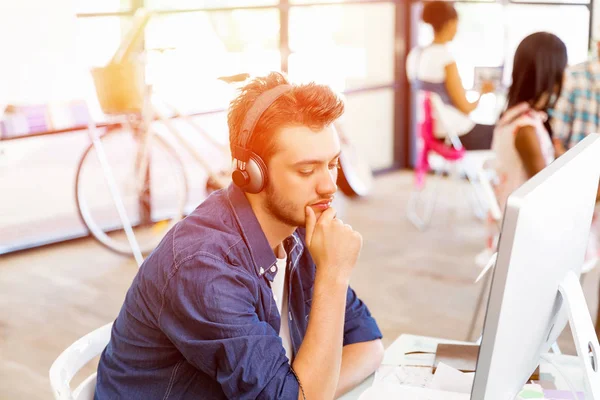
488	74
543	241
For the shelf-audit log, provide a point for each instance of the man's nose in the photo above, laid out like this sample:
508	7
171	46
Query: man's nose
328	182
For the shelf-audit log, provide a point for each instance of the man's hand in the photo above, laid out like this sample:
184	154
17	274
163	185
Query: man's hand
334	248
333	245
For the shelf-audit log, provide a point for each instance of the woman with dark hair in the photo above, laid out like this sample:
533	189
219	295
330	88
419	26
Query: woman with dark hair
522	142
433	69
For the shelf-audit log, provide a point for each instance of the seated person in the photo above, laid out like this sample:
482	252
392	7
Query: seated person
433	68
248	297
522	143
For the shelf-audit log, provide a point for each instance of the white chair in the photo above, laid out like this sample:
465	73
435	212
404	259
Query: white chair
72	360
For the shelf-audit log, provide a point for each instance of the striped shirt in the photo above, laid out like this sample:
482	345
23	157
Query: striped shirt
577	111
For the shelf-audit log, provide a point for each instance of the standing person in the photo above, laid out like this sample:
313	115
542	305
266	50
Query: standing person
577	111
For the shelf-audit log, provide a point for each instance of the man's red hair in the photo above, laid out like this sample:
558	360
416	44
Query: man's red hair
311	105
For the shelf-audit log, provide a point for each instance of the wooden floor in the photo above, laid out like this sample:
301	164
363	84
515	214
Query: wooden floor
413	282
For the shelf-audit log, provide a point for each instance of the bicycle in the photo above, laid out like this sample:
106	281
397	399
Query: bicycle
131	185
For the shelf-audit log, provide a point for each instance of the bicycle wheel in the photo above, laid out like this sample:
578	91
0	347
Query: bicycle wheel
152	185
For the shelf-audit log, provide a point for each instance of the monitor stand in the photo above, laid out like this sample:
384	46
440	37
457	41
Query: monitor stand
584	335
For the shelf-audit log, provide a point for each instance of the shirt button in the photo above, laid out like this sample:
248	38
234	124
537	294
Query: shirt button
262	270
290	314
273	268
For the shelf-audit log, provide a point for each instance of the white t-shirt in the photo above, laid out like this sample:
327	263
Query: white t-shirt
428	64
279	286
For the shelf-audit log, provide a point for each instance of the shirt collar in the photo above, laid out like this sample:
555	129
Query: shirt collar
262	255
293	249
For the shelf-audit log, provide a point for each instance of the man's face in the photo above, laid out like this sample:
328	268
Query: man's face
302	172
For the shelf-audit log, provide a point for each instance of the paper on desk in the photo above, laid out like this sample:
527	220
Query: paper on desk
417	359
395	392
394	355
422	348
403	375
450	379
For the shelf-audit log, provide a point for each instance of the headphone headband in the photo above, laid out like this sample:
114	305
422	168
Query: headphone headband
260	105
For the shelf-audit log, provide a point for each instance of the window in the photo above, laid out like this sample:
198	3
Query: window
102	6
197	4
349	46
552	1
488	34
525	19
188	51
98	39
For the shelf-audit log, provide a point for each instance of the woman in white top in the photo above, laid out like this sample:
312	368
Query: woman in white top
433	68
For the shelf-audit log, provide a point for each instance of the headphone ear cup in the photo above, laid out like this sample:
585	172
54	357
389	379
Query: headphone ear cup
257	172
240	178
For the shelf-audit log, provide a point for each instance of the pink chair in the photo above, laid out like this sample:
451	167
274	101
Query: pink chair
451	153
429	144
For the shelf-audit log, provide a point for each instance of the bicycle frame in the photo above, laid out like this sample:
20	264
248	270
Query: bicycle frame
185	143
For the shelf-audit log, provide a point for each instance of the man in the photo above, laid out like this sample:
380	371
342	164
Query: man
248	297
577	113
577	110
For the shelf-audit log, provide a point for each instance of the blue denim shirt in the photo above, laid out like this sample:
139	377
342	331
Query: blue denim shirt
200	321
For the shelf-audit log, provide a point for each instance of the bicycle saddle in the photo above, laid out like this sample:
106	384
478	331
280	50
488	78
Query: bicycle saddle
234	78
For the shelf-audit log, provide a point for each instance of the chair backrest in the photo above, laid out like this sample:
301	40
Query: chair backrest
425	119
428	115
425	133
72	360
440	115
